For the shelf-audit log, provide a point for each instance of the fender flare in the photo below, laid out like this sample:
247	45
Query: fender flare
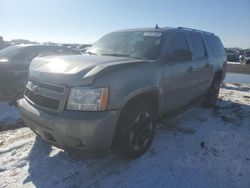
139	92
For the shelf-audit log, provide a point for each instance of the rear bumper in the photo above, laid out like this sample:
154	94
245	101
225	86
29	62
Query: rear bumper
80	130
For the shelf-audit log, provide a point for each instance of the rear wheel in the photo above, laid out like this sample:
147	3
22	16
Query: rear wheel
136	129
213	93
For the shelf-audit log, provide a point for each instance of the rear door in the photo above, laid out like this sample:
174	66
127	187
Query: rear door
177	79
202	68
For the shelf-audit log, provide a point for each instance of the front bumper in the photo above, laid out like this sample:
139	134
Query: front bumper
80	130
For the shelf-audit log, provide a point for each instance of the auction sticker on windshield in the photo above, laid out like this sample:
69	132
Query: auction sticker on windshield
152	34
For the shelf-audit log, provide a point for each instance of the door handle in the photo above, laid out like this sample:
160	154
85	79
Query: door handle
190	69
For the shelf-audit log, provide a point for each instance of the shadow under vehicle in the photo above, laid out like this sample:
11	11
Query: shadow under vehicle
232	55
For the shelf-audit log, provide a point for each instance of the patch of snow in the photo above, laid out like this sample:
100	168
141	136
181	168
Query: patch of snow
234	62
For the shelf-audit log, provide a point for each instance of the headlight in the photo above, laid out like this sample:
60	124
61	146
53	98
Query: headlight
86	99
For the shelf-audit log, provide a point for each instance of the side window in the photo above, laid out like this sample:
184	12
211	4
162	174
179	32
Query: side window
177	42
177	49
197	46
215	45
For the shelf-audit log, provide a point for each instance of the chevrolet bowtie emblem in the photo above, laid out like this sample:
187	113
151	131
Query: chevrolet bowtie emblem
35	89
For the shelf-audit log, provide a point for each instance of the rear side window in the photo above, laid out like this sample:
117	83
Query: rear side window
197	46
215	45
177	42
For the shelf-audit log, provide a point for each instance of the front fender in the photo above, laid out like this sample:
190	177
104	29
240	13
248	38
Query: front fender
126	82
139	92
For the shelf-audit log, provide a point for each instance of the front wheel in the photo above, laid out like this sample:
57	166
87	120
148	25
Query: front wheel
136	129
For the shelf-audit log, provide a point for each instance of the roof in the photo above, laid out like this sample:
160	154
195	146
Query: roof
164	29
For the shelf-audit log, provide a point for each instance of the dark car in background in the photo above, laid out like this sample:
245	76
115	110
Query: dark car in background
15	61
232	55
245	58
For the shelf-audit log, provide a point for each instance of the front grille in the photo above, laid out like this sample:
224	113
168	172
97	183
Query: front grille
55	88
42	100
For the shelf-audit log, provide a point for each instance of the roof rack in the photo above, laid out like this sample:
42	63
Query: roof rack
190	29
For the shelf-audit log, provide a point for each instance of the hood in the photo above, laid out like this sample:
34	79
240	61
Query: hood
71	70
71	64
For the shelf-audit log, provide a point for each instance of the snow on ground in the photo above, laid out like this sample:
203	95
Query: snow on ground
199	148
234	62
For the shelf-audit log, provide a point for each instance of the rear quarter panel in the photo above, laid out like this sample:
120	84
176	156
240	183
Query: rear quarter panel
218	62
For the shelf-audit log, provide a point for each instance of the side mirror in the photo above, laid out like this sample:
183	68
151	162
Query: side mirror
180	55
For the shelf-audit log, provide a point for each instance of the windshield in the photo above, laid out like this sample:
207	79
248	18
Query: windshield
133	44
10	51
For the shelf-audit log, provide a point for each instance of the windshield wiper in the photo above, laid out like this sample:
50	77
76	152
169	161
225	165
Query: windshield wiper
116	55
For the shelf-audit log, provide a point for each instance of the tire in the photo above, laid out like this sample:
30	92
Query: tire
213	93
136	129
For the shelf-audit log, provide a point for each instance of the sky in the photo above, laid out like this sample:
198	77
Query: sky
80	21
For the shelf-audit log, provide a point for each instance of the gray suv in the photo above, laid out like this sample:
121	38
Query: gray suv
110	97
